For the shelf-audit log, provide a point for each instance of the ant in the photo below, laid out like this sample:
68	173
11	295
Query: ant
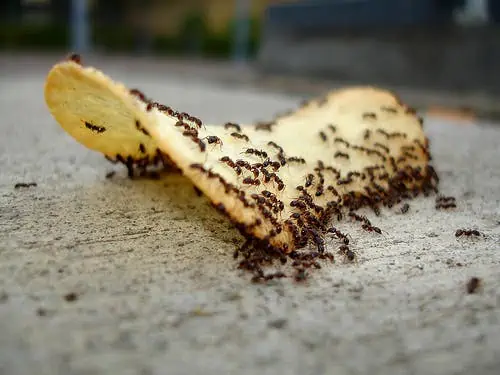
138	94
323	137
253	151
320	243
360	218
240	136
473	284
383	147
389	109
229	125
281	158
299	204
339	235
444	199
275	145
370	115
371	228
344	181
197	121
301	275
384	133
76	58
445	205
201	145
140	128
332	128
467	232
228	161
275	165
190	133
339	154
309	180
213	139
198	166
343	141
268	194
333	190
366	135
405	208
250	181
347	252
296	159
266	126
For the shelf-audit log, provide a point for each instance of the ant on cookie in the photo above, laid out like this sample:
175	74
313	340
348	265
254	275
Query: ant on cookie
212	139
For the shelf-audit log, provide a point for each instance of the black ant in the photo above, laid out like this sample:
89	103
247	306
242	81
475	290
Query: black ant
371	228
240	136
296	159
213	139
190	133
389	109
309	180
343	141
320	243
229	125
360	218
253	151
323	137
197	121
383	147
347	252
275	145
445	205
266	126
344	181
250	181
339	235
370	115
140	128
138	94
333	190
339	154
299	204
467	232
301	275
473	284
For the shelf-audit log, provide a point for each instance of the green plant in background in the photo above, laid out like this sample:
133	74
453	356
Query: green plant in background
193	33
194	37
15	36
113	38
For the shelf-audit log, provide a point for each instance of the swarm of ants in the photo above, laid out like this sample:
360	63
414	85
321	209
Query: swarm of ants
324	196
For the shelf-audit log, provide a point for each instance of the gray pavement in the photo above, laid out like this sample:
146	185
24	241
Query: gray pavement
112	276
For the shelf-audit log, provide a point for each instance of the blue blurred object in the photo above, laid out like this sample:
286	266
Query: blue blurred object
242	31
79	23
320	14
494	11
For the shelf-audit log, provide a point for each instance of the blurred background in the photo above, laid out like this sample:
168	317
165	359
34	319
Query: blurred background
447	45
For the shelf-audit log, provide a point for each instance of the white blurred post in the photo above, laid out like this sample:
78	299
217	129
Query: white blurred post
475	12
242	30
79	25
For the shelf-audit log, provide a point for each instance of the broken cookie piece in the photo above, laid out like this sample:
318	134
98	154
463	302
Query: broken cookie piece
96	115
279	182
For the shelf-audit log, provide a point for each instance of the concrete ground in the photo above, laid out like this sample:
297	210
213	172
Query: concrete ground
113	276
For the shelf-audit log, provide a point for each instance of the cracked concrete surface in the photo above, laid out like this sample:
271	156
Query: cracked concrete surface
113	276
